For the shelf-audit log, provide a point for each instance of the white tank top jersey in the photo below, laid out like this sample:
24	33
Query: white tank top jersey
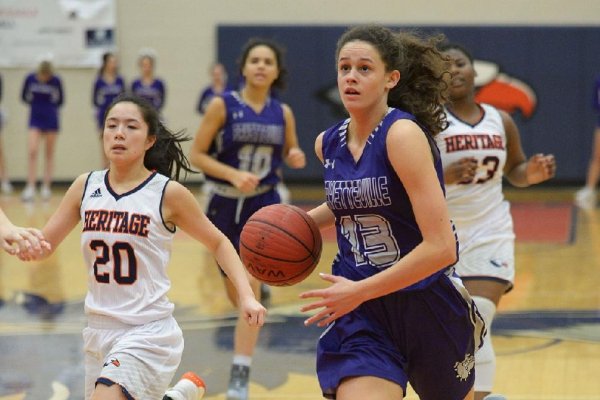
486	142
126	247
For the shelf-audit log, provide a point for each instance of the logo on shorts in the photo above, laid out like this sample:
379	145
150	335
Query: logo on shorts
463	369
113	361
499	263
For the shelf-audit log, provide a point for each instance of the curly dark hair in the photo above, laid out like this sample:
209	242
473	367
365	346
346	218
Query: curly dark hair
166	155
280	82
422	90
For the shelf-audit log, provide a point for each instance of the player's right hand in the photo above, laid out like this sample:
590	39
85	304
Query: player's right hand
334	301
461	171
245	181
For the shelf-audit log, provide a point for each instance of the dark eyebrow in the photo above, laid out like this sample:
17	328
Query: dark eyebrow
127	120
369	59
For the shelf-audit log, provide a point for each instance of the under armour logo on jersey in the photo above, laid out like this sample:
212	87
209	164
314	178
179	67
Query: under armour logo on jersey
97	193
329	163
238	114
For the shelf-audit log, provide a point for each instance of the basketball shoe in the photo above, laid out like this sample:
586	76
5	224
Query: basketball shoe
28	193
585	198
45	192
6	187
494	397
238	382
189	387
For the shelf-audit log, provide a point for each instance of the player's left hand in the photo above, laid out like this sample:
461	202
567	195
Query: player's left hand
337	300
295	158
540	168
253	311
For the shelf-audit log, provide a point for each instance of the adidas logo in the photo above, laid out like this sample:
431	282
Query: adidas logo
97	193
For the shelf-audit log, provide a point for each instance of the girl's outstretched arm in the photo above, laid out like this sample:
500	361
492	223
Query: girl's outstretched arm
64	219
181	209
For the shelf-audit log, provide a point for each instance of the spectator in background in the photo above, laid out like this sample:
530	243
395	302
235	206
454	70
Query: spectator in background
147	86
43	91
108	85
5	186
586	197
217	86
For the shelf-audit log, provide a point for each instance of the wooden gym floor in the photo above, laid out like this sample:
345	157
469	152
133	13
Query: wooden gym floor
547	333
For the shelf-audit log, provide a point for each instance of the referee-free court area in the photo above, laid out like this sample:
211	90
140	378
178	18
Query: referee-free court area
547	333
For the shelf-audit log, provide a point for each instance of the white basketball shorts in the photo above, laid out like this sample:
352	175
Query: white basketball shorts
142	359
487	248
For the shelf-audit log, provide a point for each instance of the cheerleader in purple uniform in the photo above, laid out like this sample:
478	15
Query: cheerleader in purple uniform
217	87
43	91
147	86
108	85
395	311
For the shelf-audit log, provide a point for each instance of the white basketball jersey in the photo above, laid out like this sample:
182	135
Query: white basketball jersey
126	247
485	141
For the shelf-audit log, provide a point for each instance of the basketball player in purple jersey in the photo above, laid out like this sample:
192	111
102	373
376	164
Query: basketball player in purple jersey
480	146
586	197
147	86
395	312
129	214
43	91
107	86
254	135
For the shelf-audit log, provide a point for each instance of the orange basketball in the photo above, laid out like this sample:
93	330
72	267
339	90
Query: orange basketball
280	245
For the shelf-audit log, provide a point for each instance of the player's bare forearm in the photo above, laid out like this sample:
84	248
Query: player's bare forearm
231	264
322	216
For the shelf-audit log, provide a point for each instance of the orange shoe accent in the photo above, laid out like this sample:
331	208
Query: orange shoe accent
191	376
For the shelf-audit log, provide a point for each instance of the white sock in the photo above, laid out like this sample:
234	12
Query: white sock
240	359
485	358
183	390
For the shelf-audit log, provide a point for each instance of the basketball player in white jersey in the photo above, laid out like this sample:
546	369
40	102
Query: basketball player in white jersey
130	212
481	145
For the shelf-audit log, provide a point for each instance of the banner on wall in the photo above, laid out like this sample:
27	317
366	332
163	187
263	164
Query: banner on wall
69	33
